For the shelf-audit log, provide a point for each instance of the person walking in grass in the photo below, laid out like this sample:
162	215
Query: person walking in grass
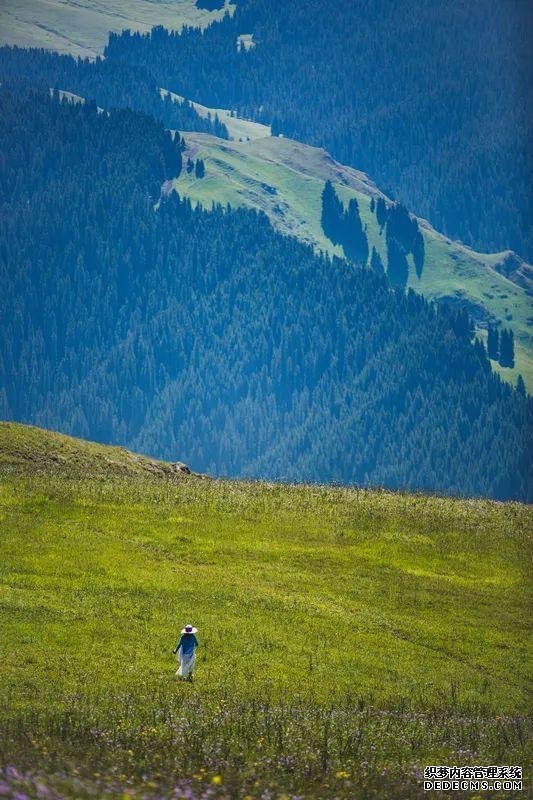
186	650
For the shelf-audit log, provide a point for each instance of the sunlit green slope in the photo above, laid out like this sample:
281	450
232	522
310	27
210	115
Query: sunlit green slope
81	27
285	178
389	596
346	637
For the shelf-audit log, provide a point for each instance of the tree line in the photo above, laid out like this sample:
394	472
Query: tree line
343	226
109	84
500	346
430	99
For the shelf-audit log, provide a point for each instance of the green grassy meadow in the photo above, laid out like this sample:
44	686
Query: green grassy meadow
239	129
285	178
81	27
347	637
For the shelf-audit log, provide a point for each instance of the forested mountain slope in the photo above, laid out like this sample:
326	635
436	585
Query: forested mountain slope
285	179
431	99
110	85
209	337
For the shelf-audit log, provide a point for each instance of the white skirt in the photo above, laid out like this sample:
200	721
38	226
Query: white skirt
187	663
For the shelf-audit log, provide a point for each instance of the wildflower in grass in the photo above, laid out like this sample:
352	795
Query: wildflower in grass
216	779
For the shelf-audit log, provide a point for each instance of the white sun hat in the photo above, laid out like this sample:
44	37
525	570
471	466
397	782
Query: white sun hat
189	629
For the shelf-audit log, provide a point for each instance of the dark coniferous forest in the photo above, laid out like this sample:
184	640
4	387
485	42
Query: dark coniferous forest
431	99
107	83
133	318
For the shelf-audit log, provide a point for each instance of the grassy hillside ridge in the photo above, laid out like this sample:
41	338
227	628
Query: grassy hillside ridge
82	28
392	573
392	627
26	448
284	178
239	129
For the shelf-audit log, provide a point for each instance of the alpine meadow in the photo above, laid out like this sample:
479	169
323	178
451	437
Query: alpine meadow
266	423
402	621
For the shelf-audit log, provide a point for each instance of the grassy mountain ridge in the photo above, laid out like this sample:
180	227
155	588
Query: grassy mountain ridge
393	625
284	178
238	127
28	448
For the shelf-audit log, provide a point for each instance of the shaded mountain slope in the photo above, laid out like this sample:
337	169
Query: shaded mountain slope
285	178
210	337
431	99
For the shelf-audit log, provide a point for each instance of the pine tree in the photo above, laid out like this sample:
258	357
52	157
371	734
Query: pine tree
520	386
402	226
354	239
397	266
219	127
493	343
376	263
504	348
372	205
381	212
418	251
463	325
199	170
481	353
507	349
332	217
